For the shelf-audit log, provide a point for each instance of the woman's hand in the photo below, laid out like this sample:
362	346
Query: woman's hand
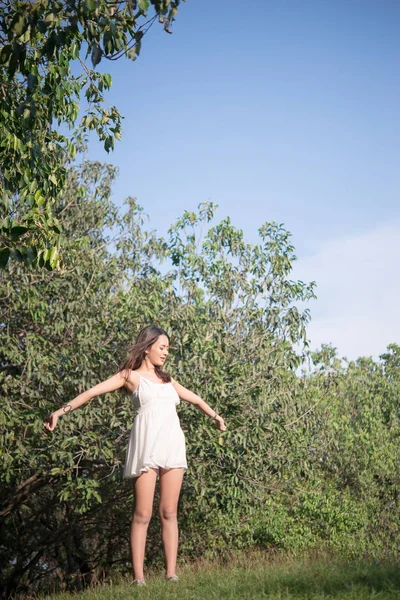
220	423
52	421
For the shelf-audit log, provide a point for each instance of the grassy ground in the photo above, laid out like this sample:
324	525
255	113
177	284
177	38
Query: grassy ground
255	577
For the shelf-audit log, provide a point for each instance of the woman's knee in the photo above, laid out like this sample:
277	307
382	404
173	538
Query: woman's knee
141	517
168	513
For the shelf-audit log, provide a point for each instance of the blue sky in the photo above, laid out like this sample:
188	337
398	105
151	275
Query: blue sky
282	110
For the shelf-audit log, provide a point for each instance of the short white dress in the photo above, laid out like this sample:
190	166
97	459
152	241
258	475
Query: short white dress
156	439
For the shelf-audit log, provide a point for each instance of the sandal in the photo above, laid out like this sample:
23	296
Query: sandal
139	582
173	578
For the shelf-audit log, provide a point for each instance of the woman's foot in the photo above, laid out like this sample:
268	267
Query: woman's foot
173	578
139	582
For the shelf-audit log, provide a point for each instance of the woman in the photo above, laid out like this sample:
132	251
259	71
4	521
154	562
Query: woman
156	445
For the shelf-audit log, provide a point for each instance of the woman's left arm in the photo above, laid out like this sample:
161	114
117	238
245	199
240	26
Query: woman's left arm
193	398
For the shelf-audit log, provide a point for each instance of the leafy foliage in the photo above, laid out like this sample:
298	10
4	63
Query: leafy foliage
39	93
306	460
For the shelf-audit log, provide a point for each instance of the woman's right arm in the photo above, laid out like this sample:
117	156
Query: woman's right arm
109	385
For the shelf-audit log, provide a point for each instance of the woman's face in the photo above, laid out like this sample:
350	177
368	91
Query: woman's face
158	352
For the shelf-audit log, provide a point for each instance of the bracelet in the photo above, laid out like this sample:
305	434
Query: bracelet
214	417
66	408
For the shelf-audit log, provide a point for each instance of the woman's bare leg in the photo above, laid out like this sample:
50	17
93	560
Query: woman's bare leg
144	487
170	487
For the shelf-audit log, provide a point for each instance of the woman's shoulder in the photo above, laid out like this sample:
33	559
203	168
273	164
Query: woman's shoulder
135	375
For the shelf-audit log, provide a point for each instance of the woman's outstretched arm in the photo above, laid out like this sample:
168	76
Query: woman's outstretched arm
193	398
109	385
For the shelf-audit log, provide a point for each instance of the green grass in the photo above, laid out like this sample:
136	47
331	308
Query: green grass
255	577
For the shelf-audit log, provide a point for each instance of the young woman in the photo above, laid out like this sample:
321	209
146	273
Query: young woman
156	446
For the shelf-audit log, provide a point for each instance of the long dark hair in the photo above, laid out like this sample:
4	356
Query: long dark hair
137	353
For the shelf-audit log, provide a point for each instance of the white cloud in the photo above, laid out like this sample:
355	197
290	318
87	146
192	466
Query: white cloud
358	289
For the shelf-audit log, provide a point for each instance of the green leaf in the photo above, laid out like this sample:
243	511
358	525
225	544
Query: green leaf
39	198
17	231
144	5
31	254
72	150
32	82
131	54
5	201
5	53
53	258
51	17
18	24
4	256
96	55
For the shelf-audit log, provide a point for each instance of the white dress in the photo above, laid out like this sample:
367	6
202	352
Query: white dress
156	438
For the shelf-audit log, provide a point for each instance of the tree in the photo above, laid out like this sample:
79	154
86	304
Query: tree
39	93
230	307
307	460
